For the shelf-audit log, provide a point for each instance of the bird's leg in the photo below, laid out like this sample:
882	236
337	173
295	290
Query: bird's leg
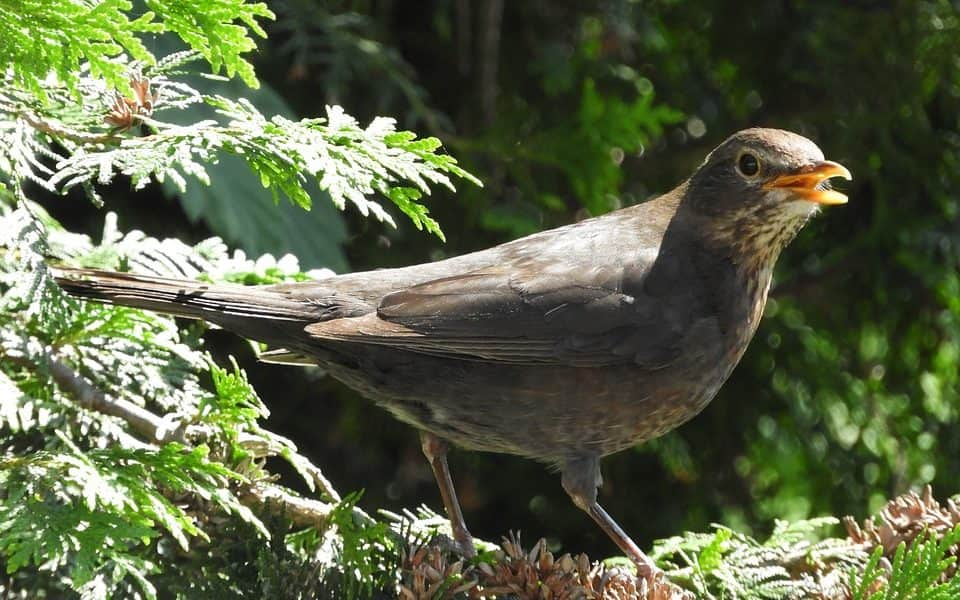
581	478
435	450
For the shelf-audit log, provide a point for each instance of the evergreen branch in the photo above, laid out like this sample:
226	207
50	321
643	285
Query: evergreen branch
924	570
347	161
158	430
63	38
55	37
60	132
66	369
302	512
208	27
144	422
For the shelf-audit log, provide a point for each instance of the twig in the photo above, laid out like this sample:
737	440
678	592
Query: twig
302	512
144	422
141	420
59	131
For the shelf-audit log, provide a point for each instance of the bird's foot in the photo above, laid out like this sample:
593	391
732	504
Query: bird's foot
647	570
466	548
459	547
462	540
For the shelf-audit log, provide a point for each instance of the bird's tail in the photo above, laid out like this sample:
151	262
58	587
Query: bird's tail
248	310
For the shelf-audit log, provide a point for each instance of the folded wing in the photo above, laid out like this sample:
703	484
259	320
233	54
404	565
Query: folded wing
525	313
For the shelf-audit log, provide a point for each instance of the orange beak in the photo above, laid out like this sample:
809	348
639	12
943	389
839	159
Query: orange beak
806	182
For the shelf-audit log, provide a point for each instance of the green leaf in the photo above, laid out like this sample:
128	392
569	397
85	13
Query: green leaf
712	554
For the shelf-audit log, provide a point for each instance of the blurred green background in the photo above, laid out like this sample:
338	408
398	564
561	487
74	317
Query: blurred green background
849	392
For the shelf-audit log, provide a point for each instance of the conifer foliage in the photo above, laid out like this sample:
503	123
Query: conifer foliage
134	465
131	462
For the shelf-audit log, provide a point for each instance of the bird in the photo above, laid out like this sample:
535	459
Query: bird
564	346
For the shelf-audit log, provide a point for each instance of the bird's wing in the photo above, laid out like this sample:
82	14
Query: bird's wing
526	313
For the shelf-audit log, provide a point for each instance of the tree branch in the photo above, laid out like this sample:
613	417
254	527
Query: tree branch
303	512
58	131
152	427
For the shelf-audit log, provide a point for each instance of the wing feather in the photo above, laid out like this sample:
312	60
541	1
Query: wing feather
519	314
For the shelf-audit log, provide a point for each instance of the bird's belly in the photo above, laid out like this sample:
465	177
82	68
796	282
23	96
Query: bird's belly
544	412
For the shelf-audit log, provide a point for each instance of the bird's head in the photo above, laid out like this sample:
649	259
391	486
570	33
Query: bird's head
758	188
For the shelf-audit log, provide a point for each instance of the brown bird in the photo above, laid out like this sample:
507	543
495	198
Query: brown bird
563	346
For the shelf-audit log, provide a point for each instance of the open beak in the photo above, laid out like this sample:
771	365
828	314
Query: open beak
808	182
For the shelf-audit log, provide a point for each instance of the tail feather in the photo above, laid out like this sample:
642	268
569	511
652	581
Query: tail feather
250	311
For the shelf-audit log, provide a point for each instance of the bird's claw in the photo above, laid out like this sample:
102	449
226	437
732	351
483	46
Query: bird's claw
651	574
464	548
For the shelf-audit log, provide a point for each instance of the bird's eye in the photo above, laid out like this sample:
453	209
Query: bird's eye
748	164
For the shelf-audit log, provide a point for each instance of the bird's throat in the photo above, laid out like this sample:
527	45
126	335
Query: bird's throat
755	239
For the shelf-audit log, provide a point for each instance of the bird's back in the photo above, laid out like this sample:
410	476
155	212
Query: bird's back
629	235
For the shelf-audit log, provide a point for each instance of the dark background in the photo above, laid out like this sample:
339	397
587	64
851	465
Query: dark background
848	394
